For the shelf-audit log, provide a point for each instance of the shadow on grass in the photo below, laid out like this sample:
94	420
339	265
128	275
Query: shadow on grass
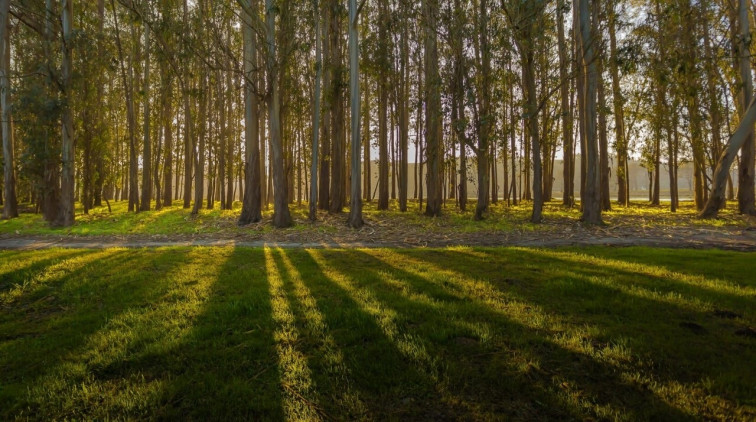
49	356
539	371
218	360
616	310
378	359
28	264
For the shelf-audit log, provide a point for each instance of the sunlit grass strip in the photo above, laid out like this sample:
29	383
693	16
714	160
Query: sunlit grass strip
577	339
52	273
296	379
154	330
338	371
526	314
641	292
713	285
385	317
18	261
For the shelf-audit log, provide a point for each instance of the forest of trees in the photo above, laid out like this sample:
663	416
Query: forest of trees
280	101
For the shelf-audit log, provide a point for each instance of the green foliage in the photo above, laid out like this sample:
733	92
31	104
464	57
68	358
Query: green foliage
271	334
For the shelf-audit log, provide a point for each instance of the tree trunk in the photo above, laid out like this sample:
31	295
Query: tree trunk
336	203
281	215
404	119
746	203
383	91
606	203
313	214
325	159
10	205
66	210
252	200
355	210
591	195
568	194
199	172
734	144
147	152
485	118
434	129
620	143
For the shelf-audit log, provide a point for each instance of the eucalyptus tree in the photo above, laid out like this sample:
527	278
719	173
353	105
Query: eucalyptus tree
742	139
146	146
275	60
66	211
618	103
591	201
524	17
313	212
10	205
355	211
252	200
434	124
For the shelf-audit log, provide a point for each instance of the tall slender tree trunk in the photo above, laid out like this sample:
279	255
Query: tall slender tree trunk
434	130
485	123
168	128
147	151
252	200
568	194
606	203
404	118
337	116
188	128
281	214
620	143
199	172
591	195
355	210
10	205
746	203
383	105
313	214
326	138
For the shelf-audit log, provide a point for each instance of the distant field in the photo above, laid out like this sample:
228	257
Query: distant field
465	333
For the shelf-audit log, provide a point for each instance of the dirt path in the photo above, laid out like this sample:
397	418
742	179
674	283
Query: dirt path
742	239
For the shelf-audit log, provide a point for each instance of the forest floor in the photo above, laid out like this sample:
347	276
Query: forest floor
461	333
637	225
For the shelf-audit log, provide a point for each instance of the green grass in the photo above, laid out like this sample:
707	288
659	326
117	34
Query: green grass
271	334
175	220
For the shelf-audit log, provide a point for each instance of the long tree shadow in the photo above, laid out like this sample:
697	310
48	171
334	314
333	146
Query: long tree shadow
332	382
220	363
54	331
654	278
20	266
515	330
660	335
382	364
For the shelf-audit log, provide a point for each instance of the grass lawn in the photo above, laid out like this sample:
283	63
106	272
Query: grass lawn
176	220
465	333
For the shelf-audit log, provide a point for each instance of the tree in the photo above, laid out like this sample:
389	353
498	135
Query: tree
66	212
591	201
355	211
274	62
313	214
252	201
434	129
10	206
742	139
147	154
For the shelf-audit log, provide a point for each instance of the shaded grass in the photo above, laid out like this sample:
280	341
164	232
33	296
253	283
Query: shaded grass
175	220
420	334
